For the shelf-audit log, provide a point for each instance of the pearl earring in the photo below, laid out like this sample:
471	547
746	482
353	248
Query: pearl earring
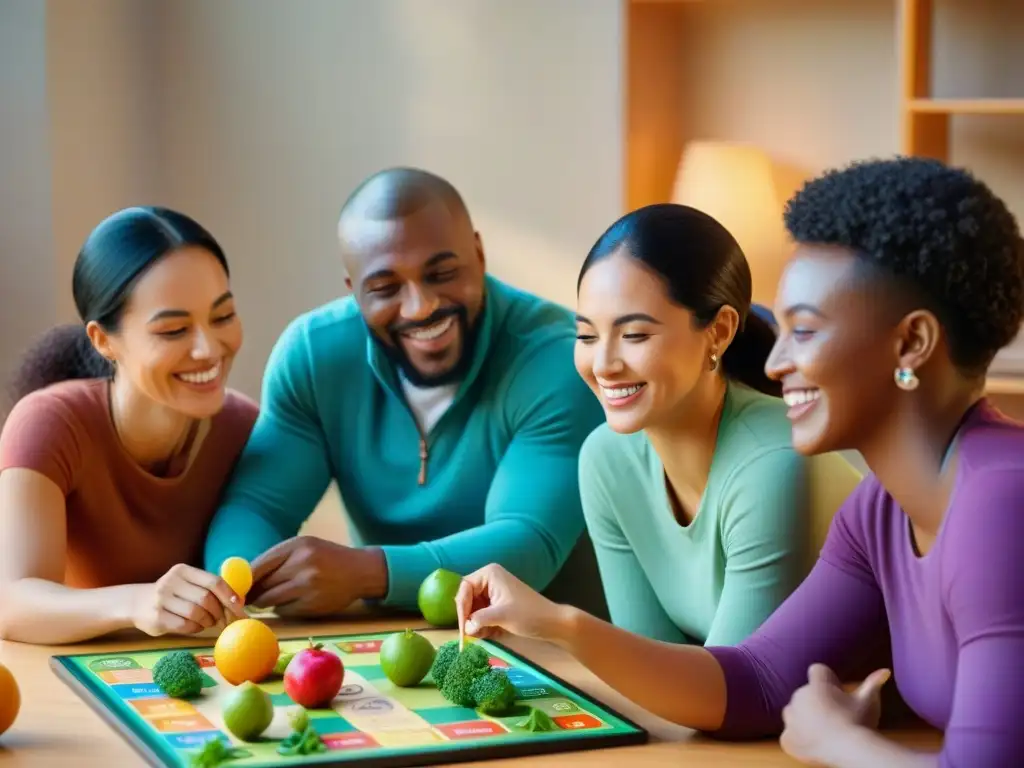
906	379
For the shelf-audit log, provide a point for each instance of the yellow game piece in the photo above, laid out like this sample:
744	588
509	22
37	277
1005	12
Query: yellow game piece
237	573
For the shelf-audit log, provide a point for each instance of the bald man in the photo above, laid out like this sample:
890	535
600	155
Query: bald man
443	402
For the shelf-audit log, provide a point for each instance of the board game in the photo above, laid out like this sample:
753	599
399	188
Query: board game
370	722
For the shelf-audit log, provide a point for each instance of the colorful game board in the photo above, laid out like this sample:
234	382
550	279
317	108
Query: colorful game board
372	721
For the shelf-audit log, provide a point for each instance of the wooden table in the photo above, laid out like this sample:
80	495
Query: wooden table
56	729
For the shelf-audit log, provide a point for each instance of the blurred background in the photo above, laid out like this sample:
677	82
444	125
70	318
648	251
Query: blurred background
552	117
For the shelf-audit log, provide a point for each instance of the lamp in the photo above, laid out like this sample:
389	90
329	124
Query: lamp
735	183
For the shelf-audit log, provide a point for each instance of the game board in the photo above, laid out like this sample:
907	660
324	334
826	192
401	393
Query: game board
372	721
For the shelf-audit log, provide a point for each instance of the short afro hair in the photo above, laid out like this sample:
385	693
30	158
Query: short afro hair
934	228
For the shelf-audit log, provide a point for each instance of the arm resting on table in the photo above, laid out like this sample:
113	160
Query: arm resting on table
739	691
35	606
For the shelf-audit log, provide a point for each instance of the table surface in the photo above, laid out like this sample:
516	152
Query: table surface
56	728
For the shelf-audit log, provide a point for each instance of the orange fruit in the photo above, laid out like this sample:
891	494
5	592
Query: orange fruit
10	699
247	649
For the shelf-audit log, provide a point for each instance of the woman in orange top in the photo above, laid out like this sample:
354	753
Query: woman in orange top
121	436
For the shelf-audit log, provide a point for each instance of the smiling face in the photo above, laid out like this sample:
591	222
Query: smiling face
641	354
178	335
419	281
836	351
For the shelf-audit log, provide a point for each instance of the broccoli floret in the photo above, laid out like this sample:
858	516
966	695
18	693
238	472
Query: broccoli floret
471	663
494	693
178	675
443	660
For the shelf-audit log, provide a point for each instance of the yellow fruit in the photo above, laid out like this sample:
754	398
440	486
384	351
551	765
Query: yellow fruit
237	573
10	699
247	649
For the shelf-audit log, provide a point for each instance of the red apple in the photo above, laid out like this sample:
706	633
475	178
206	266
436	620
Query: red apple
313	677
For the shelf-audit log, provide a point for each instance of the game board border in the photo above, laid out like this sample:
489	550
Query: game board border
159	755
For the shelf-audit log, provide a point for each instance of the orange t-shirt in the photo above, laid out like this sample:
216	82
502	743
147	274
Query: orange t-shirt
124	525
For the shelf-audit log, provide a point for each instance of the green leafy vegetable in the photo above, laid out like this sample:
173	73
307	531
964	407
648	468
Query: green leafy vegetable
214	752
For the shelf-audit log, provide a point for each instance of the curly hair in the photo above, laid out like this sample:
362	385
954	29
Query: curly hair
934	228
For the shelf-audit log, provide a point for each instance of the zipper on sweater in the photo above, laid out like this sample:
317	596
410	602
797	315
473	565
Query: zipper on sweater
423	460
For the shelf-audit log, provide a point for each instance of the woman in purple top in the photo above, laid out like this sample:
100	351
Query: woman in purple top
908	279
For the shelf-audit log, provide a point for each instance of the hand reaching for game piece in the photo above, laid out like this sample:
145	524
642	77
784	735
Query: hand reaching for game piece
185	601
310	577
492	600
820	712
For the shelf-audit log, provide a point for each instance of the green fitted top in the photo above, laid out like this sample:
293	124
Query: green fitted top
756	533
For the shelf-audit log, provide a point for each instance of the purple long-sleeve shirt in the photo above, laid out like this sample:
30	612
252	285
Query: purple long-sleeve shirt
953	619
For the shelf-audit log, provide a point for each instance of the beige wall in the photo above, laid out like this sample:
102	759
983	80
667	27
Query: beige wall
272	112
27	276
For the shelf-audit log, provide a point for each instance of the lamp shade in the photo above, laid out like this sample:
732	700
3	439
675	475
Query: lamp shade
735	183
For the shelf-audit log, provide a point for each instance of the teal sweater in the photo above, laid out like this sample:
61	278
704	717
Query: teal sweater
500	481
753	540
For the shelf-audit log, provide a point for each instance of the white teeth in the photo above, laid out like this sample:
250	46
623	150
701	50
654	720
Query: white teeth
620	392
801	396
426	334
202	377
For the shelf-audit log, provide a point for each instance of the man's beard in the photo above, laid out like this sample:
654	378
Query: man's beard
396	353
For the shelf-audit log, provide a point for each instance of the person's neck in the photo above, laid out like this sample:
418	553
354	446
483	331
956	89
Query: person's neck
909	455
686	444
153	435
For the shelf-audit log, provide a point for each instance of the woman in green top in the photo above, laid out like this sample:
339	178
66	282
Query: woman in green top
703	516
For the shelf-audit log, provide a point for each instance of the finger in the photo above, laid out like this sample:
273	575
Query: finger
493	616
172	623
215	585
821	675
189	611
273	558
200	596
872	685
464	603
282	594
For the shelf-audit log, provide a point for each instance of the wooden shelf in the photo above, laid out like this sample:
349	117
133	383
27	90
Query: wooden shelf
1004	385
967	106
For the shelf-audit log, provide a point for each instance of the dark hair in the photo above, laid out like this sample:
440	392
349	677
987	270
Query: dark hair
704	269
115	255
936	232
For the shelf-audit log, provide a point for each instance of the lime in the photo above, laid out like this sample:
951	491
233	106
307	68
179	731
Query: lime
436	598
247	711
406	657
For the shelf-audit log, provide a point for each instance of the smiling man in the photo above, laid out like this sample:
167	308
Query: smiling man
443	402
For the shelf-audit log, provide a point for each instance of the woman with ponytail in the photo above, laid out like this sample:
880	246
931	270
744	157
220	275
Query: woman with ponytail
701	512
121	434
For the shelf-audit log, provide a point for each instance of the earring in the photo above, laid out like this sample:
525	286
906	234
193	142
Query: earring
714	361
906	379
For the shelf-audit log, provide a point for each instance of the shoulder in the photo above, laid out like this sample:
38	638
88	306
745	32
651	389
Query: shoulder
756	424
71	404
532	347
53	429
331	331
239	413
607	450
989	491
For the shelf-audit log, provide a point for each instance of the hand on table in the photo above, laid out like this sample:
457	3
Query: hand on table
185	601
310	577
821	711
492	600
